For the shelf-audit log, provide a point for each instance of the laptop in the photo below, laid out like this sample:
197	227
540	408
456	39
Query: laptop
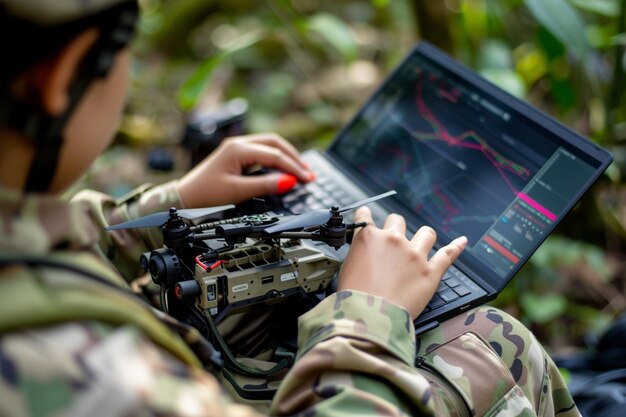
465	158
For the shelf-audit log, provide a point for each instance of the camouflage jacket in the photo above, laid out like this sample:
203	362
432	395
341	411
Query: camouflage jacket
356	352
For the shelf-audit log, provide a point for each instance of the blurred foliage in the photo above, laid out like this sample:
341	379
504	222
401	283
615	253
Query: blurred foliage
305	66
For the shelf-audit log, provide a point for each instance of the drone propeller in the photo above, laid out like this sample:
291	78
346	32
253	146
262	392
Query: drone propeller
319	217
158	219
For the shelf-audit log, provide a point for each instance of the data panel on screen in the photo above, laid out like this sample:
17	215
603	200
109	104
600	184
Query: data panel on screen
466	164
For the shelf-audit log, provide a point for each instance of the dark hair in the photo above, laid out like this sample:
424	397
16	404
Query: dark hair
24	43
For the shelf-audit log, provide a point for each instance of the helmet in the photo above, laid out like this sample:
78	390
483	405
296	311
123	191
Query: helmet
33	30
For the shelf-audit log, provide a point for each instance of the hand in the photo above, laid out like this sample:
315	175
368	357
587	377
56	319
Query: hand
219	178
384	262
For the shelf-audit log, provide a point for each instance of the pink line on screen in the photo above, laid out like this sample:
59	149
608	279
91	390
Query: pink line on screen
541	209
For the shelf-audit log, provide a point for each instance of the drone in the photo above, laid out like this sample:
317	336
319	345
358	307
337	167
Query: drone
232	265
208	271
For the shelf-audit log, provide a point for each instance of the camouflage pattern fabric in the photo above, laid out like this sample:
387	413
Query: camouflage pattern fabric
124	247
91	369
497	366
356	354
482	363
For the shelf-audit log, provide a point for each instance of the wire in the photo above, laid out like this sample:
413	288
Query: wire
206	267
200	263
163	299
216	264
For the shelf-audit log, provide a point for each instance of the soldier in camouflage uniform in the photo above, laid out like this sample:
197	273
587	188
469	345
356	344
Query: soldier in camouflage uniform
74	341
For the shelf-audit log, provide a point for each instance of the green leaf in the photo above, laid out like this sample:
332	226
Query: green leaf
495	64
380	3
543	308
335	32
494	54
557	252
192	89
552	47
564	93
532	65
321	112
506	79
274	91
601	35
564	22
602	7
475	19
619	39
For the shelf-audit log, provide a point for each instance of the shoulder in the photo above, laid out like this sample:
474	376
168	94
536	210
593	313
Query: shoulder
90	349
91	368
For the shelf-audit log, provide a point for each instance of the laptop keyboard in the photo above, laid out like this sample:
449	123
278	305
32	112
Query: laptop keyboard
324	193
451	288
320	194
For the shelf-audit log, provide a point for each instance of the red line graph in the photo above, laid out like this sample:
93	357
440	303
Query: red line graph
499	162
448	207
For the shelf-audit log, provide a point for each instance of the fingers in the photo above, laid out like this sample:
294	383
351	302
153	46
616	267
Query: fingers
278	143
259	185
424	239
396	223
222	171
410	276
362	215
256	153
445	256
422	242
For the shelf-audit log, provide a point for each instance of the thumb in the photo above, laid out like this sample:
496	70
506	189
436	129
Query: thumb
257	185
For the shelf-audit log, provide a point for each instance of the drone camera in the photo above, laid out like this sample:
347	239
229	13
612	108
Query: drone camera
164	267
187	289
144	261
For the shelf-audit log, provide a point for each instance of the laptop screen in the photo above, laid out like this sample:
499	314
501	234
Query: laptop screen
468	159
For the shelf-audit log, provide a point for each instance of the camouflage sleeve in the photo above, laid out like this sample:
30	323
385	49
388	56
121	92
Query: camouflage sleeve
124	247
92	369
356	356
496	365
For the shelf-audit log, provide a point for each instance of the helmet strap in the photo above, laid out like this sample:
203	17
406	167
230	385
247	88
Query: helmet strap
47	133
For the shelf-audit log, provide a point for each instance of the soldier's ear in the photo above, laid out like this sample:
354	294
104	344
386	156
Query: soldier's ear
54	77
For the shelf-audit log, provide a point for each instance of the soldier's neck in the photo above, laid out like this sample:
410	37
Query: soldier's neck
16	154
